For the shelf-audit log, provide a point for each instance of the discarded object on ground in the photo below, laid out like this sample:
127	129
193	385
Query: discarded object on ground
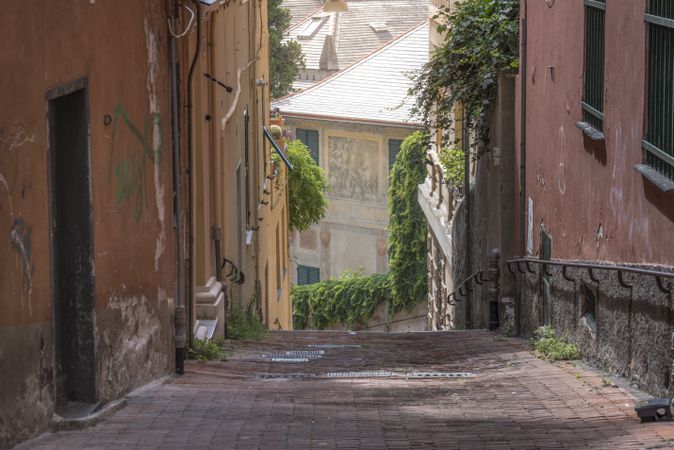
657	409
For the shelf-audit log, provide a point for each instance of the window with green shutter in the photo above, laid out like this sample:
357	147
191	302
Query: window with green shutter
593	91
393	150
310	139
658	142
308	275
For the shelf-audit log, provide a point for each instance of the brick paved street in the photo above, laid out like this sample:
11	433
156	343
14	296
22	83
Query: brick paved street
515	401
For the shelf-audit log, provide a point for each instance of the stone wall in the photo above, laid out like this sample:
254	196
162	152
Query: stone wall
627	331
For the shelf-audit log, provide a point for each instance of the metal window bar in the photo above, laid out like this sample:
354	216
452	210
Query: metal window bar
658	143
593	96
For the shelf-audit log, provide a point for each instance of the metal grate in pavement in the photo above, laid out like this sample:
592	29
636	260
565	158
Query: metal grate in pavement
439	375
334	346
285	376
288	358
364	374
306	353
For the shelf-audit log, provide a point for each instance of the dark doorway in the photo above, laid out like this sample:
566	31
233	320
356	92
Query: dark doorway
72	254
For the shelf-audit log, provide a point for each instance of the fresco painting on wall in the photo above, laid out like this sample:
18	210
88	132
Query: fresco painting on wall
352	168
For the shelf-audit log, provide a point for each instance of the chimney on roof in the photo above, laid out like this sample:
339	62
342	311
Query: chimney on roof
329	59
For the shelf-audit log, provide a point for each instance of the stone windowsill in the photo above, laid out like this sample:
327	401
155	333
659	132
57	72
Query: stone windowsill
659	180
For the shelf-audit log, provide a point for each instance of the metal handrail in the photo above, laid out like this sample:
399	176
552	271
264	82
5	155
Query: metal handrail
665	288
479	280
390	323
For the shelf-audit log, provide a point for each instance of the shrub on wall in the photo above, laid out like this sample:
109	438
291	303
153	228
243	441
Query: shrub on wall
307	186
407	225
481	42
452	162
351	299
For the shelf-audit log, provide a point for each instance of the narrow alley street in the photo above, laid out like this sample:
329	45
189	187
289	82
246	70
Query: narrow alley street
372	391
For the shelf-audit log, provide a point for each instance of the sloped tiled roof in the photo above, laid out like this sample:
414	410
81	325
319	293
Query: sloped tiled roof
372	90
301	9
355	37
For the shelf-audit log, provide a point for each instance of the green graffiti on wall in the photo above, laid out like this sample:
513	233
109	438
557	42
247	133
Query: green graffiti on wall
130	171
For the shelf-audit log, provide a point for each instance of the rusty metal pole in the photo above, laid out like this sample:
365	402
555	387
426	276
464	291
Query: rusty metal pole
493	275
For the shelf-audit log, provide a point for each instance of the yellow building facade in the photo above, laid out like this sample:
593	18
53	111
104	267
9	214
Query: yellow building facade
236	223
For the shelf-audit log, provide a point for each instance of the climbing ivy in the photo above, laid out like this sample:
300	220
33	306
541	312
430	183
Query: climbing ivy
407	225
480	43
452	162
351	299
306	188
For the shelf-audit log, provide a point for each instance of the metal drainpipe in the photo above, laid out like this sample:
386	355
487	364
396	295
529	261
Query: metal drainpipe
180	319
190	132
523	135
466	187
523	155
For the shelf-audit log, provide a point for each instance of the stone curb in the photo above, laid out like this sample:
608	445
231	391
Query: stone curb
59	423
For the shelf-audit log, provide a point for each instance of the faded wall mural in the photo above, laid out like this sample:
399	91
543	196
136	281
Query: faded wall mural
353	167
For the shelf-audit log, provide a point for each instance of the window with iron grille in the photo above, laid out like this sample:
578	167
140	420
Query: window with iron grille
658	142
393	150
310	139
593	92
308	275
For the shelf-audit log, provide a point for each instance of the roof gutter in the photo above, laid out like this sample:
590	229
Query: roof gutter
352	120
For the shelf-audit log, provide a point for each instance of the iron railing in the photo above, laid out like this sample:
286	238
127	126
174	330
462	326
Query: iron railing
440	190
524	265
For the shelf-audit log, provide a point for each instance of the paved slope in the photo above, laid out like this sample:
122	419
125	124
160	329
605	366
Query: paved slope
514	401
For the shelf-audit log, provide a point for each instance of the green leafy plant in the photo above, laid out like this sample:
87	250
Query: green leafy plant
245	324
307	186
452	161
207	350
481	42
548	347
352	299
407	225
285	58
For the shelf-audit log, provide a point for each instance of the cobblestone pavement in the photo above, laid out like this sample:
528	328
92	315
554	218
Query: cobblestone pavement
514	401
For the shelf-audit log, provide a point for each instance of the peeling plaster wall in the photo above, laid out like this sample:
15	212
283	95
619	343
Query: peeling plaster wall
595	206
120	48
131	343
26	374
588	197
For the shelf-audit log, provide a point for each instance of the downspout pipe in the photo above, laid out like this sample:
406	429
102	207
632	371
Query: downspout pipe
190	133
523	151
465	141
180	319
523	131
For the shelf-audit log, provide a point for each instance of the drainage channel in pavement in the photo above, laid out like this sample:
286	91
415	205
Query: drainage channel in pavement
334	346
365	374
294	356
